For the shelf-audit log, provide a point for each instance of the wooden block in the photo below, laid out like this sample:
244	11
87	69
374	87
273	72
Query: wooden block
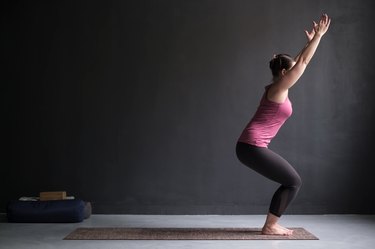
52	195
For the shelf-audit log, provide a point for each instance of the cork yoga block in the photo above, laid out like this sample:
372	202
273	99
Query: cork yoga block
52	195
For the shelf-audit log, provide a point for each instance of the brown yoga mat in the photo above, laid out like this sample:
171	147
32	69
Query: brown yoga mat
107	233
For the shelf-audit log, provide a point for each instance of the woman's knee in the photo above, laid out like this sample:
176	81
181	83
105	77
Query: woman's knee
297	182
294	182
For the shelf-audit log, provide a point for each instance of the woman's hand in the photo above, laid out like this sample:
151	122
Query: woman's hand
311	34
320	28
323	25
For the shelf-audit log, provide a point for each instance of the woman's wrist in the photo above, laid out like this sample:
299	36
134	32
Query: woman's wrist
318	35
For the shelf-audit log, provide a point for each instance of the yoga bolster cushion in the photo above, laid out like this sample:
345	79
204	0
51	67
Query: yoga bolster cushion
46	211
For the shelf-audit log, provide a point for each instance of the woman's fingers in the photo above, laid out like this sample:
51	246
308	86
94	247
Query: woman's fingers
307	35
321	22
315	25
321	27
324	19
327	20
328	23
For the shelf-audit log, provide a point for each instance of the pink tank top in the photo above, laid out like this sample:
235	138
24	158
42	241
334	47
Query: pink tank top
266	122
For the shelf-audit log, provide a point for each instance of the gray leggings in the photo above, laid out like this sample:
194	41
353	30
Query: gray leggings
274	167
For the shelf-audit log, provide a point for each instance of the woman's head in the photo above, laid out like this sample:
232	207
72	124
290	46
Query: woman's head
280	62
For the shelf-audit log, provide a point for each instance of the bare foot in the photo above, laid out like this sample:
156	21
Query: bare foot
288	230
276	229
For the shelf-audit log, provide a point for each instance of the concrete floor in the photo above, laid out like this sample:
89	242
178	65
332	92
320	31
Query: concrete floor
334	232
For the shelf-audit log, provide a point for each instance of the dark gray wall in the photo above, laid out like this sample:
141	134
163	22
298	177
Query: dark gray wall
136	106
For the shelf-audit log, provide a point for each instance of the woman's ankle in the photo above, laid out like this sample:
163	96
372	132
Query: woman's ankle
271	220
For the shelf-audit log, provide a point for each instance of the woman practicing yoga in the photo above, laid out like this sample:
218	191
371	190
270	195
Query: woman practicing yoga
274	108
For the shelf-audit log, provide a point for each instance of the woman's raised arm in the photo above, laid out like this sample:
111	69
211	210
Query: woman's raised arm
291	76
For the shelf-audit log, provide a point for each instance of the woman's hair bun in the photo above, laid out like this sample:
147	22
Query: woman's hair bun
280	62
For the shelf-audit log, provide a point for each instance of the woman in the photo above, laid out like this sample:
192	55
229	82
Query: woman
275	107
